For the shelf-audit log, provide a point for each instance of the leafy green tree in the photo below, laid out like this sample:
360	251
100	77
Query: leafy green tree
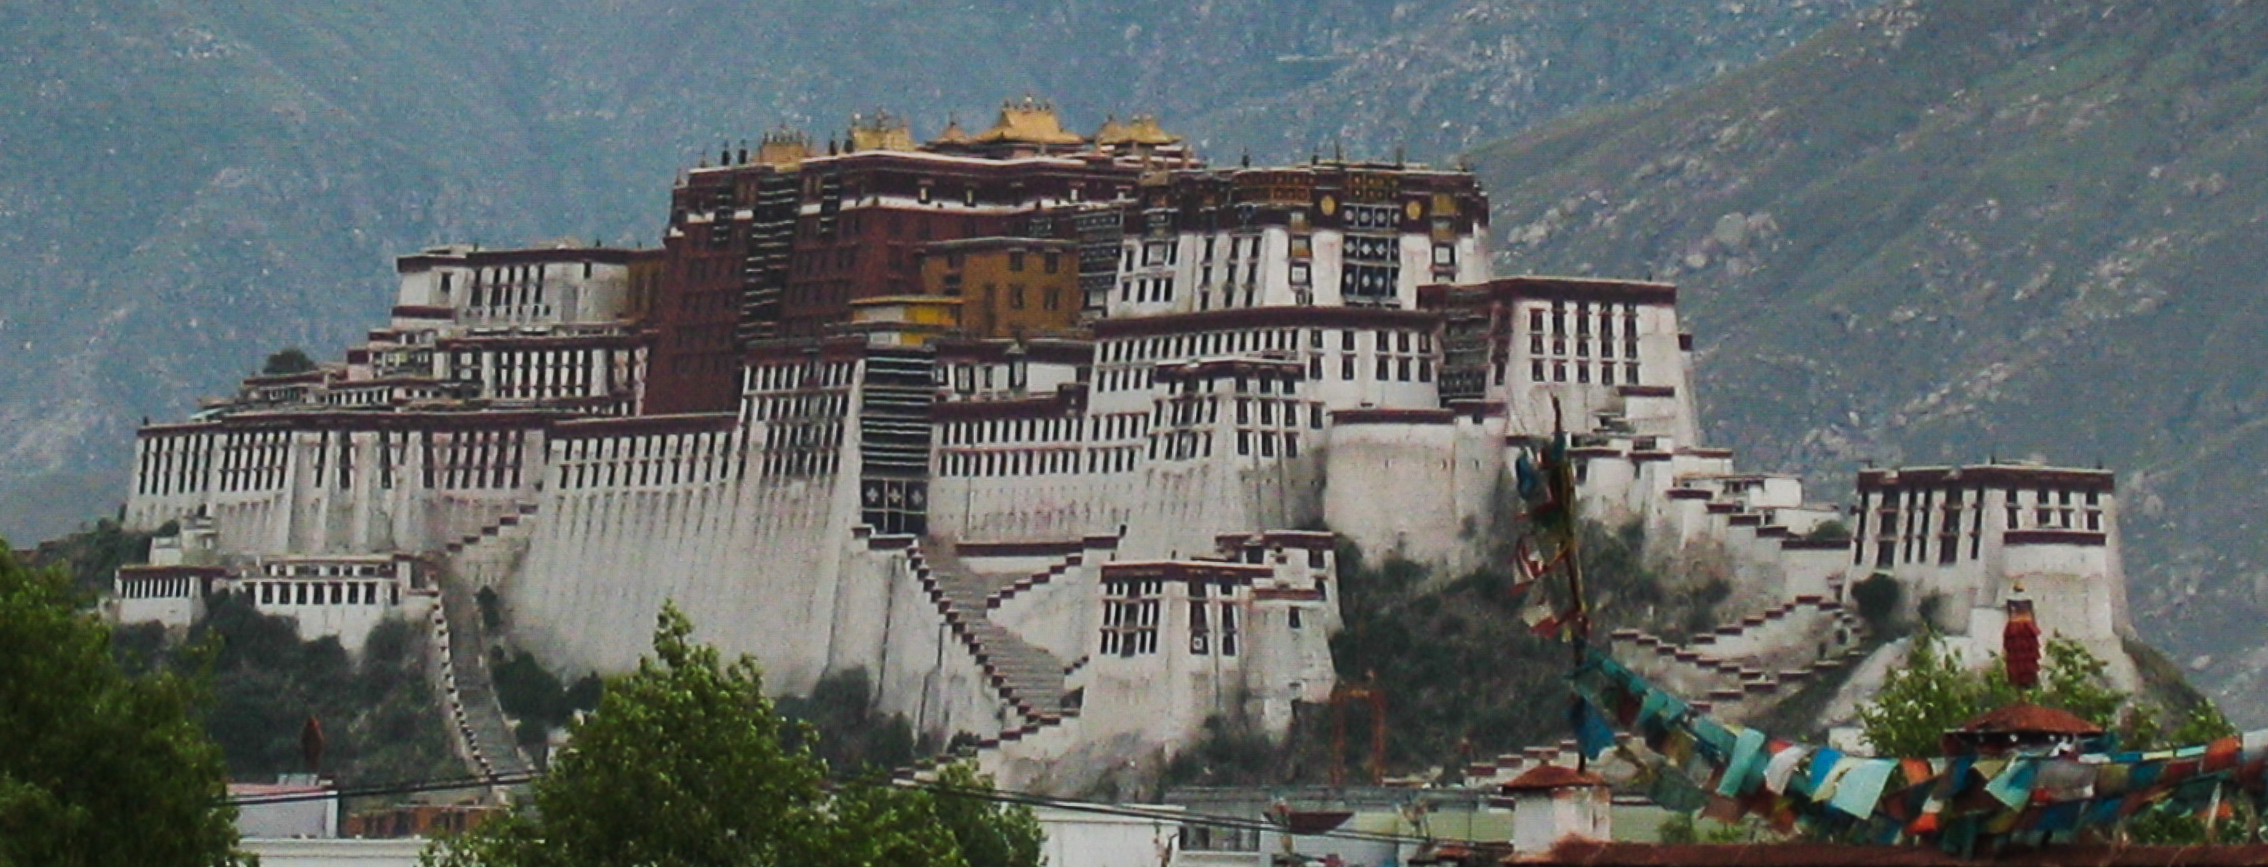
98	768
290	359
852	738
92	554
1932	693
685	762
1678	829
1877	598
989	834
380	719
1830	530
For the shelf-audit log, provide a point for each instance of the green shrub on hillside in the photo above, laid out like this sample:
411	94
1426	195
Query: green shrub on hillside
381	722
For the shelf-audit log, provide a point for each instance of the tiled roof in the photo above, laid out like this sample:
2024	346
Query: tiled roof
2030	718
1551	777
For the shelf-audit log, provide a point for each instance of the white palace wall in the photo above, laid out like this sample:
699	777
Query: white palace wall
757	552
314	483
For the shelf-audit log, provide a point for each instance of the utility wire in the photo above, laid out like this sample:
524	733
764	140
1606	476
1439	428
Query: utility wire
1004	796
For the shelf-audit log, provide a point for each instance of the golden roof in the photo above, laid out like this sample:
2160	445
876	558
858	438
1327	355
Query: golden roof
953	134
881	132
1029	122
1112	131
1142	129
783	147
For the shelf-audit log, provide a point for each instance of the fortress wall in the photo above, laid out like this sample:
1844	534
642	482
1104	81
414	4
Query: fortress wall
1809	570
1034	507
1803	519
1288	663
1607	487
756	560
1659	415
1031	469
2065	583
286	484
172	471
1409	487
1186	504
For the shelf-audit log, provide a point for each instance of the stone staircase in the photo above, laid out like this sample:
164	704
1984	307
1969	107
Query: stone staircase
1731	671
1028	678
485	555
477	721
1008	591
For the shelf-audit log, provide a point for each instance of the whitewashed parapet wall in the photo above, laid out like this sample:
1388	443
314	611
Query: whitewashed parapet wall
279	481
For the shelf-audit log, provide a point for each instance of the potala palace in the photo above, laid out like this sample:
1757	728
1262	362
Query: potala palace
1052	434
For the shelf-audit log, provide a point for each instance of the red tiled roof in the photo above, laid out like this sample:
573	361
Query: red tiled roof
1551	777
2030	718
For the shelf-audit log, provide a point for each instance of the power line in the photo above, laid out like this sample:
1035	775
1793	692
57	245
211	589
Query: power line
1004	796
1206	819
396	788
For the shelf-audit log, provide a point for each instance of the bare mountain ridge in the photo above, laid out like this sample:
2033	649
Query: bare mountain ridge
1950	230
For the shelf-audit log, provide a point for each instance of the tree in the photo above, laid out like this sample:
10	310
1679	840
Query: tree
685	762
290	359
989	834
1829	530
99	768
852	738
1932	693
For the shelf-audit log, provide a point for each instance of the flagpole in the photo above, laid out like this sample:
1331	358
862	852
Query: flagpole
1579	625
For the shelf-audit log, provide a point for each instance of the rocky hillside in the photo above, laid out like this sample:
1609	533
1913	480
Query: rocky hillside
188	185
1949	230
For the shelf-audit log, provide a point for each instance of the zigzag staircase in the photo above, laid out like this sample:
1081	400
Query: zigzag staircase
476	720
484	555
1009	590
1029	680
1727	680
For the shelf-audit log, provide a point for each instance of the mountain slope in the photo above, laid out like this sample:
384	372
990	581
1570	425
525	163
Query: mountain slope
186	185
1949	230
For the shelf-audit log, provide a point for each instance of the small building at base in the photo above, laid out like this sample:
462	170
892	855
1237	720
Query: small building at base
1551	803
